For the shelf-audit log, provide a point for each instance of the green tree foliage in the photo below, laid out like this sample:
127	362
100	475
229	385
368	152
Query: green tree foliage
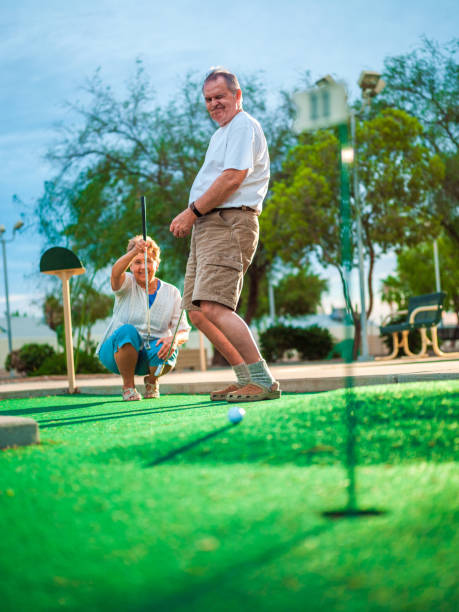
396	172
122	148
415	274
88	306
297	293
425	83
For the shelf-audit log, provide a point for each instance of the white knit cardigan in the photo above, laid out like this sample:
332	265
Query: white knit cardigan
130	307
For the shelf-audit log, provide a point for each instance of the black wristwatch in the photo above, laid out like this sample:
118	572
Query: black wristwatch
195	210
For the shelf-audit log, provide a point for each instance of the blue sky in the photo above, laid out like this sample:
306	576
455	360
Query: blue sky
49	48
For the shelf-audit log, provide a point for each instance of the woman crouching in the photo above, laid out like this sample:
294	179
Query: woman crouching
122	349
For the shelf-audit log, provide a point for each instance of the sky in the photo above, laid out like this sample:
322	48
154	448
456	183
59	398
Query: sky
49	48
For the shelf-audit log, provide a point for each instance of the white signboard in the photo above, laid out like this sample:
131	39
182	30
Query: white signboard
320	107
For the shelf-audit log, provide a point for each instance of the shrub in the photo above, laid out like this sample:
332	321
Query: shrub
312	342
29	358
275	340
90	364
57	364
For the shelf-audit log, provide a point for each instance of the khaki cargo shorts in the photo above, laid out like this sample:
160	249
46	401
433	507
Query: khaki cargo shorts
223	244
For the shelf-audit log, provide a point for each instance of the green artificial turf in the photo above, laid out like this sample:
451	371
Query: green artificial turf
163	505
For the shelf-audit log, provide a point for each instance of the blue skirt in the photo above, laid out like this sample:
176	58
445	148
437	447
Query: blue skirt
128	334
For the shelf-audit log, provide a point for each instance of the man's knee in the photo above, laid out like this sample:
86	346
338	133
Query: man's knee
213	310
196	317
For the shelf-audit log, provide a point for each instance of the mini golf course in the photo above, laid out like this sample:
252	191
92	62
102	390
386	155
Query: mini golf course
165	505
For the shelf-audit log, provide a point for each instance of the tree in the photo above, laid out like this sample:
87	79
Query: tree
88	306
298	293
396	171
123	148
425	83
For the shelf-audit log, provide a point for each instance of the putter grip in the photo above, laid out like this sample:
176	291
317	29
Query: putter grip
144	217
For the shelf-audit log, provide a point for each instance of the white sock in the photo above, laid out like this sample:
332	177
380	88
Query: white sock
260	374
242	374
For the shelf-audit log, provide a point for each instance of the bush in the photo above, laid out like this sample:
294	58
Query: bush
29	358
312	342
57	364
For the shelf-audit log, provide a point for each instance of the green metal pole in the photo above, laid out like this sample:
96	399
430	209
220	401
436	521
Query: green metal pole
346	263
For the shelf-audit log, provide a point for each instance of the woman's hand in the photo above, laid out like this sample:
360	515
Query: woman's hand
140	246
166	345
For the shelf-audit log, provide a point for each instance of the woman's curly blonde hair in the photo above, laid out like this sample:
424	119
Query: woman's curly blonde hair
153	248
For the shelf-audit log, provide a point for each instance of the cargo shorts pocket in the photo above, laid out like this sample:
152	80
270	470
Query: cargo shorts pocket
219	279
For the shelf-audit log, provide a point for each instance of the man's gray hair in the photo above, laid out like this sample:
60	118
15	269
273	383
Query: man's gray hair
230	78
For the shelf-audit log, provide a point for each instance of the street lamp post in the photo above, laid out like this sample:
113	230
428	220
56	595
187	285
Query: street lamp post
365	354
371	84
3	240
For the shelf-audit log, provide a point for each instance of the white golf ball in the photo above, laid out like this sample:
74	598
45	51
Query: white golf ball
236	414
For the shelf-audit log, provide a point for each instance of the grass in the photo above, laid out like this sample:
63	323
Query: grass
163	505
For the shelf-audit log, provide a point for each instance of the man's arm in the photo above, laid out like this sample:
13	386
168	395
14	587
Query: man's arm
224	185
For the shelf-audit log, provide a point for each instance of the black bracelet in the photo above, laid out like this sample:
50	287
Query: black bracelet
195	210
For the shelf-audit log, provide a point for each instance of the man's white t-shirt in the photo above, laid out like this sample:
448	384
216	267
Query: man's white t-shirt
239	145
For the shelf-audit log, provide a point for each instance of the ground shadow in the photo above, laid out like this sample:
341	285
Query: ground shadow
230	574
314	437
82	420
41	409
188	446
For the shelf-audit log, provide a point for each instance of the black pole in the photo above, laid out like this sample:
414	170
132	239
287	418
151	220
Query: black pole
144	216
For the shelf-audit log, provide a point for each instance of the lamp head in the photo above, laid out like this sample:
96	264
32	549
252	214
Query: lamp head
370	83
2	230
18	226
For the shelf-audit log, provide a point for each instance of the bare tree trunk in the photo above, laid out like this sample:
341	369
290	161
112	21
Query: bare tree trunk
253	276
357	335
371	268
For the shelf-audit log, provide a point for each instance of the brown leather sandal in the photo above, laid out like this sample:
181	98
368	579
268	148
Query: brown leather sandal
255	393
221	394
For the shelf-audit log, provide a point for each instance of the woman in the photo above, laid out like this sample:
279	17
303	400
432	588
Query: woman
122	349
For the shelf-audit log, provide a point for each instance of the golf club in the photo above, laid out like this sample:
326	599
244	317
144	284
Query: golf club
144	231
159	369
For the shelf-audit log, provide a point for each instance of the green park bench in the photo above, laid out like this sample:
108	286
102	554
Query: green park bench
424	312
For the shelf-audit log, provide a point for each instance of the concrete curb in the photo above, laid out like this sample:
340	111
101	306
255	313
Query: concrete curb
18	431
313	384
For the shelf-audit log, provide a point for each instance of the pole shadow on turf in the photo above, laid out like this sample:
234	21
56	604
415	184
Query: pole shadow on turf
188	446
128	413
351	510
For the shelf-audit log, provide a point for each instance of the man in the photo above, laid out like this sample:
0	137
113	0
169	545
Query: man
225	201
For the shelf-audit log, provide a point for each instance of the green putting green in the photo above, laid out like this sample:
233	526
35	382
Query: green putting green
164	505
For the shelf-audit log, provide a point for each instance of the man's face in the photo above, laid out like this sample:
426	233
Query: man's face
221	103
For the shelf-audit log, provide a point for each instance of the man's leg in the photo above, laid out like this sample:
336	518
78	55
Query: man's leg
233	330
224	346
223	245
261	384
218	339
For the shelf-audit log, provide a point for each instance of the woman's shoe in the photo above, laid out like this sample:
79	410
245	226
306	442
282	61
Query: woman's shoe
131	395
151	389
